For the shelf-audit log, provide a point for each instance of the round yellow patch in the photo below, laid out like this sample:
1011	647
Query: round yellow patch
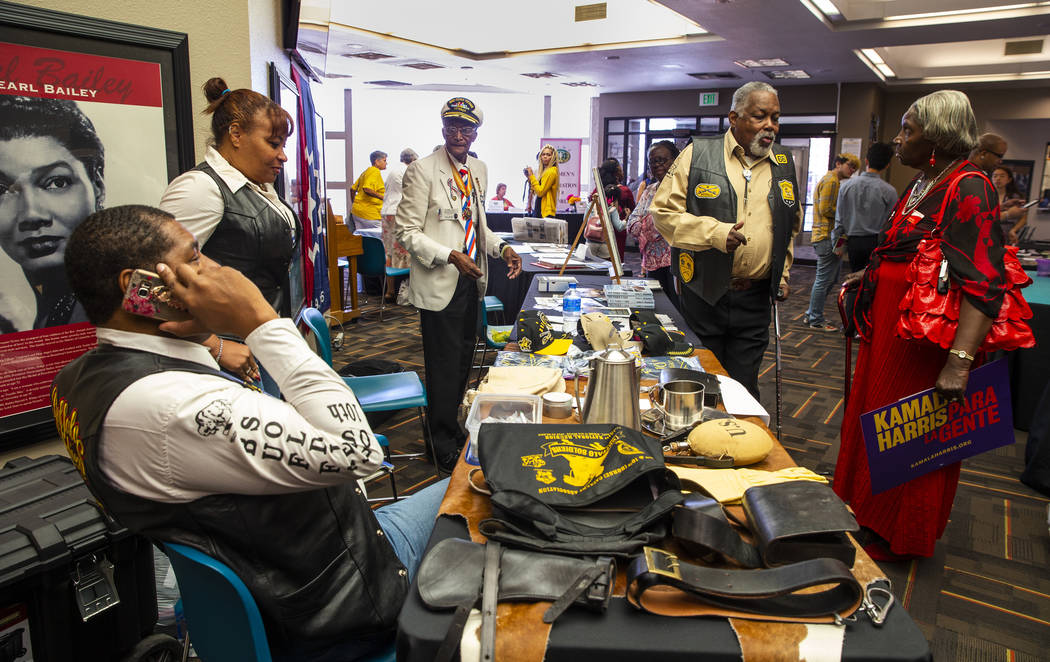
685	266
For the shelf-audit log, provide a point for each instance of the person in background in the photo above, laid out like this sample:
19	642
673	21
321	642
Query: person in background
179	452
616	193
501	195
989	151
951	196
368	195
229	204
441	223
396	255
824	244
546	187
729	209
656	254
1012	213
864	204
51	178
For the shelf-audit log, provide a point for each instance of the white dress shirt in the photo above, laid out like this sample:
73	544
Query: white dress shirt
195	201
177	436
392	196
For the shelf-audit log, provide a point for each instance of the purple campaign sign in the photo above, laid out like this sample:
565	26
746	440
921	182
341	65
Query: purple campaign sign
924	432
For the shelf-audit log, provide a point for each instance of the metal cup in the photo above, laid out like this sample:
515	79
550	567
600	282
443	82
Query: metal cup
681	402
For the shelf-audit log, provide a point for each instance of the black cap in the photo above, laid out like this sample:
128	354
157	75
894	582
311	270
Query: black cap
658	341
536	335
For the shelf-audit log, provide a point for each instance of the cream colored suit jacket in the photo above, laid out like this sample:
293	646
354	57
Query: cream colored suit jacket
429	226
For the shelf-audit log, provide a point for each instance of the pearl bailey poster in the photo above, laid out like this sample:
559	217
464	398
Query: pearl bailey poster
78	132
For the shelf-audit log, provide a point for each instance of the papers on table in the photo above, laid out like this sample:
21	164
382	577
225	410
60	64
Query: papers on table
652	284
738	400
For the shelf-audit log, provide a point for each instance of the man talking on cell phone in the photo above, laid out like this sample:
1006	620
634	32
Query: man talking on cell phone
178	451
730	213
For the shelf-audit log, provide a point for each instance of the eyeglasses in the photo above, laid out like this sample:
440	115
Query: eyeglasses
657	160
465	131
996	154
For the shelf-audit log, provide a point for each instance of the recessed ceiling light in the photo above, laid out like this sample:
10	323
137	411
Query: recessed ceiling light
885	69
612	57
671	66
581	83
963	12
827	7
785	74
872	55
541	74
765	62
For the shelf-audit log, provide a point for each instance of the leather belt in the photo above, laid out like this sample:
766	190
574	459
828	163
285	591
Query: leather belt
741	284
701	521
659	583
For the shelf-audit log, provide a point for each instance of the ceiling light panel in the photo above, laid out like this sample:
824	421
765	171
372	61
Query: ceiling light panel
542	25
928	12
786	74
766	62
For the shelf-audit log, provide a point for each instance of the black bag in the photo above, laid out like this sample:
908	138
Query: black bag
366	367
576	489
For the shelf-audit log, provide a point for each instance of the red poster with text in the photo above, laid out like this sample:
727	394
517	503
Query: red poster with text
78	132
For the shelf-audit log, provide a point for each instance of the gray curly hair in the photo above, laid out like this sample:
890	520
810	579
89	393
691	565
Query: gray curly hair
947	121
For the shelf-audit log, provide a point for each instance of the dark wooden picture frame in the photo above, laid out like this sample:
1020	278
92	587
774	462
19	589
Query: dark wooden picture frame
46	28
35	28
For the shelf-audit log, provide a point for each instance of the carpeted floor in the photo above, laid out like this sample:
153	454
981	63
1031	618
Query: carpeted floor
984	595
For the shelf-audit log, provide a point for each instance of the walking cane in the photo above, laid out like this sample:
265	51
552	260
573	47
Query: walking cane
780	385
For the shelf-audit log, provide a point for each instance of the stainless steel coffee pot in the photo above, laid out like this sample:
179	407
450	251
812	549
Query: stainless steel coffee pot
612	390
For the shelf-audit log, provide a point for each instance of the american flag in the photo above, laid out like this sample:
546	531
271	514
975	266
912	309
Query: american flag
312	205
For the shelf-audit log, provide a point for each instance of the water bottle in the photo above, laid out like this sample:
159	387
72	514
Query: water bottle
570	309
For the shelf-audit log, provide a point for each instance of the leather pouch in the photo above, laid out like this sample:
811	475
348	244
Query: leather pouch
451	574
799	520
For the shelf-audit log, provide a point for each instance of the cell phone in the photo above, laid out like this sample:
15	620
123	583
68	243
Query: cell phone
148	296
1029	204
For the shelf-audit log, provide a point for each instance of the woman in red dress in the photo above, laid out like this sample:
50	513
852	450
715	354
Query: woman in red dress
953	199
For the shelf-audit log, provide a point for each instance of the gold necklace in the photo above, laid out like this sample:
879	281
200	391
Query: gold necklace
918	193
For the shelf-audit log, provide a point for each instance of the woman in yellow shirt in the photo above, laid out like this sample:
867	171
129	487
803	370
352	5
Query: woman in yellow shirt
368	194
546	187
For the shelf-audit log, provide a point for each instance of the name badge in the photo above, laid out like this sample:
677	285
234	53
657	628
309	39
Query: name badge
448	215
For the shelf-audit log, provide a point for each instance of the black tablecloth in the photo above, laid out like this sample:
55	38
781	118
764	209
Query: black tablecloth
1028	367
501	222
624	634
512	292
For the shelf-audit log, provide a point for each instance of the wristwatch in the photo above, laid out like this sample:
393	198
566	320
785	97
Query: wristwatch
961	354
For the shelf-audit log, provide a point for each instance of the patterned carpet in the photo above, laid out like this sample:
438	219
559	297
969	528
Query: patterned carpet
985	595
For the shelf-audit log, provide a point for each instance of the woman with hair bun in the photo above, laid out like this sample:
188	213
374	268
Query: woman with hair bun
228	201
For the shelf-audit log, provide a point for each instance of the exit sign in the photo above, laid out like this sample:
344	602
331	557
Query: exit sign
709	98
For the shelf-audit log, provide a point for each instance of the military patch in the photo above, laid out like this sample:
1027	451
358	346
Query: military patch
787	192
707	190
685	267
524	344
782	159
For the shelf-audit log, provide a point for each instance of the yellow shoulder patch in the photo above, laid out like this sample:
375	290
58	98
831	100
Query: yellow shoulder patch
707	190
787	191
685	266
782	159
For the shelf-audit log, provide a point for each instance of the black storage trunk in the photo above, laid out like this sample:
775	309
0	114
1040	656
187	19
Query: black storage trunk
51	529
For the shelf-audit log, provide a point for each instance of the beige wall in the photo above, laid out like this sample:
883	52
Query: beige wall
230	38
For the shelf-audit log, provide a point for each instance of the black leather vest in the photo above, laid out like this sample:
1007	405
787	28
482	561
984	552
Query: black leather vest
711	194
312	559
254	239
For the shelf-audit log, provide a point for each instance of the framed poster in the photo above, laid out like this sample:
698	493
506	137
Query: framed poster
609	230
1022	171
93	113
286	94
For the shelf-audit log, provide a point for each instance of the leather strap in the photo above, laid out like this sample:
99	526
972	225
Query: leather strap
489	599
450	644
582	583
700	520
658	582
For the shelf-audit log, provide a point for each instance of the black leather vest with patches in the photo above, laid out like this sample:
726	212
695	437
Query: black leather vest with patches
711	194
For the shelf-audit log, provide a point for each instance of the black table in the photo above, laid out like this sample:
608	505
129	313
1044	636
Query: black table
663	306
513	292
624	634
1028	366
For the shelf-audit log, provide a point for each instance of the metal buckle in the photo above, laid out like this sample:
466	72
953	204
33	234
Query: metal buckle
93	586
660	562
876	613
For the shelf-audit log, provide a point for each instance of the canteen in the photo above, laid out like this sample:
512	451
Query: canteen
612	390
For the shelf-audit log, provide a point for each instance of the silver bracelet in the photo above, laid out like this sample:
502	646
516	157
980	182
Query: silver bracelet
218	355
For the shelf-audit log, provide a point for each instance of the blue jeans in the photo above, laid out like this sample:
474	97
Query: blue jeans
407	523
827	274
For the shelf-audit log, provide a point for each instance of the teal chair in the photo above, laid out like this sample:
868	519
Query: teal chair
221	614
485	342
493	305
401	390
373	263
